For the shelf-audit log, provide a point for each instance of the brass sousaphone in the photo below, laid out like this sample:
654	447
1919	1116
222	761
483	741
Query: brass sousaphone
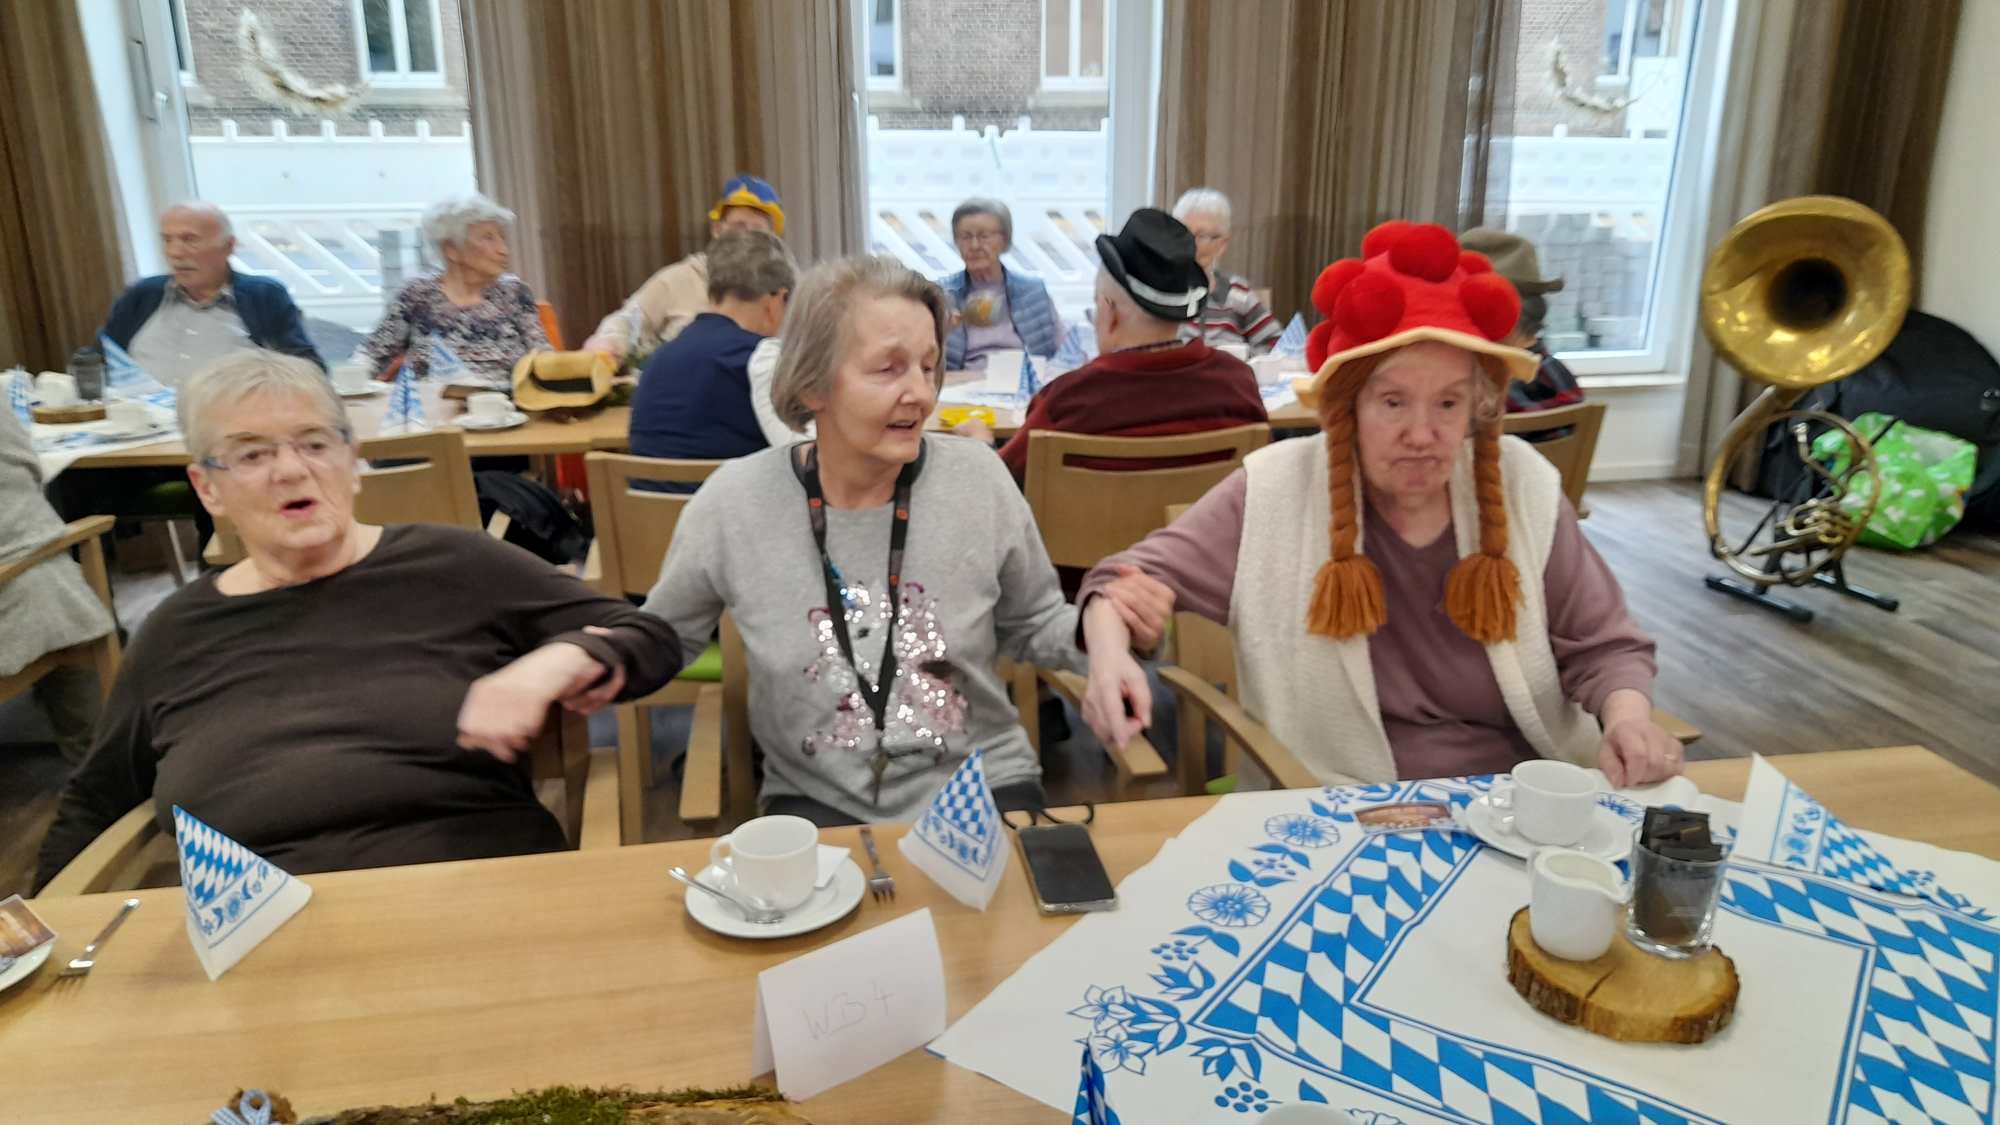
1799	294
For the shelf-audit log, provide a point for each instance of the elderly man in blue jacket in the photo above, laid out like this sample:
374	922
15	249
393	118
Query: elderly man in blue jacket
174	324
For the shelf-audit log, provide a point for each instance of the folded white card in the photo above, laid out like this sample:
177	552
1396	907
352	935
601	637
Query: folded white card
839	1012
235	898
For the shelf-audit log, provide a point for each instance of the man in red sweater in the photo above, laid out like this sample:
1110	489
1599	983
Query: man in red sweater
1145	381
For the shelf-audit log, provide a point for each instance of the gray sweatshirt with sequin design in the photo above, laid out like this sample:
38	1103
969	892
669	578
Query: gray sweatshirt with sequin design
976	584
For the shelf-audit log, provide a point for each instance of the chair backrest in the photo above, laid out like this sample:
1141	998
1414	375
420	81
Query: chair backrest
1087	513
634	526
424	478
1572	452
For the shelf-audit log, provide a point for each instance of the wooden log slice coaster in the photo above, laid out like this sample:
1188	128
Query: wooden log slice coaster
1627	994
65	415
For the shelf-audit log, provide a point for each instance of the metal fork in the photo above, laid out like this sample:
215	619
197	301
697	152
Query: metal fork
80	965
879	884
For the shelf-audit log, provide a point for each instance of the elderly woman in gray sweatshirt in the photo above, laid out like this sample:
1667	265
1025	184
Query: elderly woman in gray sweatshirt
874	572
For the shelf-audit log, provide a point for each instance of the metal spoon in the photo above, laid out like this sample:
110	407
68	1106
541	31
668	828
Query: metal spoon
752	914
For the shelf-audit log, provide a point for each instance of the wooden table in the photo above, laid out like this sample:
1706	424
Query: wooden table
604	430
488	977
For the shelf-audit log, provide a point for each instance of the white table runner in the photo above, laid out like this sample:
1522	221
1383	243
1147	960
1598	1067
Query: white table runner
1272	953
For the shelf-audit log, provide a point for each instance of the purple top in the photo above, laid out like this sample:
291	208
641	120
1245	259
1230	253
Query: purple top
1441	705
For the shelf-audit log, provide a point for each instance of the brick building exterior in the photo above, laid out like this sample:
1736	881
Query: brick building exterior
1533	103
980	59
319	40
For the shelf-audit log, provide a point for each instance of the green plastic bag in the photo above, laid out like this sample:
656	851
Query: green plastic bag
1925	475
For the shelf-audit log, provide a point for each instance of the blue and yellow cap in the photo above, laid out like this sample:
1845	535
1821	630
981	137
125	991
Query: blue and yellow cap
749	191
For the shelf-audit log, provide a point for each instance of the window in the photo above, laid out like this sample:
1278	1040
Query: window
399	42
1604	181
885	45
1074	34
1634	29
183	42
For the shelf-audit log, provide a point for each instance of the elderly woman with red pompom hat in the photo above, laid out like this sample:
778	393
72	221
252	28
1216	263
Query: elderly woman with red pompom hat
1449	617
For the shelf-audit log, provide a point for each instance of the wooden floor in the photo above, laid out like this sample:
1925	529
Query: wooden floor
1751	680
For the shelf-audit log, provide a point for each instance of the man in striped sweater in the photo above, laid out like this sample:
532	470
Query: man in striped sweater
1233	314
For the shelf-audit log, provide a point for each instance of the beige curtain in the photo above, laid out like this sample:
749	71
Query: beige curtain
60	258
609	126
1841	97
1318	118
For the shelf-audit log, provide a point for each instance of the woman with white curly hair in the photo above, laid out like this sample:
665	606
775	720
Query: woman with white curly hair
485	315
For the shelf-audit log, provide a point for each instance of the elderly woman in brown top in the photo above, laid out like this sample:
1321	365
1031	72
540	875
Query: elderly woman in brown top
347	695
1452	619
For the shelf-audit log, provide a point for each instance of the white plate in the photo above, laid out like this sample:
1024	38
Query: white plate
369	391
135	435
506	421
827	905
1609	836
25	965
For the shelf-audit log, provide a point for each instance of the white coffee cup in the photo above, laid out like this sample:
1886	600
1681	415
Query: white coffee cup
127	417
1552	802
351	378
1576	903
56	388
773	860
488	406
1240	351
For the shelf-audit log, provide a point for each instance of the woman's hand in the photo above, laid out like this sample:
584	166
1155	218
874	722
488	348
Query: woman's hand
504	711
1635	750
1118	703
1143	602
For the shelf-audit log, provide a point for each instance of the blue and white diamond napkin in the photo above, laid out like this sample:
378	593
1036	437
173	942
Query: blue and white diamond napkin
1091	1106
19	398
235	898
1293	341
406	405
959	840
1077	345
444	365
1029	383
1783	825
124	378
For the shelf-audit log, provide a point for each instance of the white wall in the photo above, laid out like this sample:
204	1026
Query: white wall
104	41
1642	429
1962	228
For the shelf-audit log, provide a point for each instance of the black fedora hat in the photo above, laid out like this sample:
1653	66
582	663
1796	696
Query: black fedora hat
1153	260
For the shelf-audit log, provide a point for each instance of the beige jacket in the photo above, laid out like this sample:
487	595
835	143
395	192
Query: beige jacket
660	309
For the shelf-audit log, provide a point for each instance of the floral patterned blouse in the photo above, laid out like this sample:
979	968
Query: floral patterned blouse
489	337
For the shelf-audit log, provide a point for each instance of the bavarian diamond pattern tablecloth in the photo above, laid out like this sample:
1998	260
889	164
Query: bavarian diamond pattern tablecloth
1273	953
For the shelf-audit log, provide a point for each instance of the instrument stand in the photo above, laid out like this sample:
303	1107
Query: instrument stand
1758	593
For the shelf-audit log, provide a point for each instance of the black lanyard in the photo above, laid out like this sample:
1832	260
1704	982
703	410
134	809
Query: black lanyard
877	697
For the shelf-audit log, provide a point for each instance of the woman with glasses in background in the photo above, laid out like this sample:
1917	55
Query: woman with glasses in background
347	695
1233	313
995	309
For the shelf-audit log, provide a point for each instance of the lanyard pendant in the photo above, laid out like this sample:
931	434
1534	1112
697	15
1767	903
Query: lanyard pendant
878	765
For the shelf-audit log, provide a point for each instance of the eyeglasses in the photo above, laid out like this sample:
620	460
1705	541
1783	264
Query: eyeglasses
1204	237
316	447
978	237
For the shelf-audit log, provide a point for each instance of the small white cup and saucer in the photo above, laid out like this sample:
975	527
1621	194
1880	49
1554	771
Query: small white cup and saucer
777	863
1546	803
125	419
354	379
490	410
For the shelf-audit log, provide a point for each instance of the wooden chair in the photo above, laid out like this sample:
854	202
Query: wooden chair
634	530
135	853
101	654
1088	513
1571	453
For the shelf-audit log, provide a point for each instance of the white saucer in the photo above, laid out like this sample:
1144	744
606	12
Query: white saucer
369	391
506	421
1609	837
827	905
134	435
25	965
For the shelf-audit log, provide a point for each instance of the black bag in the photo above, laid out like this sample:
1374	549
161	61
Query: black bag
541	523
1933	375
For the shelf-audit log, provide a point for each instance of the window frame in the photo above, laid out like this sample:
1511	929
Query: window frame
1071	81
399	35
879	83
1676	273
183	37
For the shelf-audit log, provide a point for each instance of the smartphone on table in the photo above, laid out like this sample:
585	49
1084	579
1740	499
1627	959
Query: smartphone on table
1064	873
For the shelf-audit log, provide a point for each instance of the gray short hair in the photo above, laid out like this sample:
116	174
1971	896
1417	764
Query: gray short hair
448	219
1109	289
1202	201
241	374
749	265
816	330
206	209
981	205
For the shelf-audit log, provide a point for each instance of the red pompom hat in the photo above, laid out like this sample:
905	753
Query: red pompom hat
1412	283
